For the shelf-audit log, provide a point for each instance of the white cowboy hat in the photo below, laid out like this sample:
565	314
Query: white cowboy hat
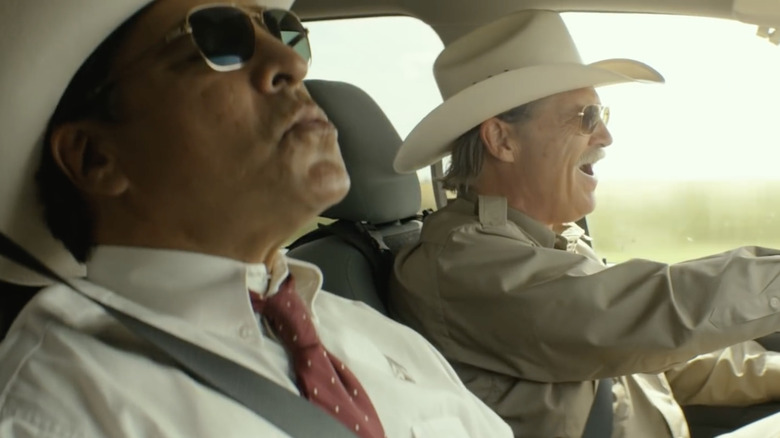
518	59
42	45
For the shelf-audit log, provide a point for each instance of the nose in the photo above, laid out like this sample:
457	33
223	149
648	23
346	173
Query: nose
601	136
275	65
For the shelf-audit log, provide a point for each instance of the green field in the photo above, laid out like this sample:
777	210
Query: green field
675	221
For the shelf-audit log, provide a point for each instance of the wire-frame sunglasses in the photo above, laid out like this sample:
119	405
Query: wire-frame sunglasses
225	37
591	116
225	34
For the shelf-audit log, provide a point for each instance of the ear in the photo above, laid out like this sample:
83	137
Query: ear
497	137
90	164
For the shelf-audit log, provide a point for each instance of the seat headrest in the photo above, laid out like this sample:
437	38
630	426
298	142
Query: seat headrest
368	144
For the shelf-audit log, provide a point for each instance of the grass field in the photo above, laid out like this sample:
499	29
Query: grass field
675	221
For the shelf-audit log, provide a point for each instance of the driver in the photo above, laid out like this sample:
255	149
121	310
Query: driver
506	285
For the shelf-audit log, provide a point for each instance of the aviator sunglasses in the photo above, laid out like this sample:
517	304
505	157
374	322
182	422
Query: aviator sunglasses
590	116
224	35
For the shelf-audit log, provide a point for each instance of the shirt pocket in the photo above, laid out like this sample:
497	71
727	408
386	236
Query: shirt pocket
449	427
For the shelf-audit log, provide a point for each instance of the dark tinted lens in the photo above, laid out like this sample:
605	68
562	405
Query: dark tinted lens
591	116
289	29
224	35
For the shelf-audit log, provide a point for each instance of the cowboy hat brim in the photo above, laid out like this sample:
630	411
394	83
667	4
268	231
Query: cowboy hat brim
432	138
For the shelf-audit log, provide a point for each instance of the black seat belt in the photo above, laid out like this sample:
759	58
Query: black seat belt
287	411
599	424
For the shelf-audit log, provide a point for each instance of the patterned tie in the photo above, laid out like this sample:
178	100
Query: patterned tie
321	377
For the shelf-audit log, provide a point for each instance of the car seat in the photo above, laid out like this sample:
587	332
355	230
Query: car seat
379	215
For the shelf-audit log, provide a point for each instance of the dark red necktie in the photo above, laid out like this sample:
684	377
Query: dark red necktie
321	377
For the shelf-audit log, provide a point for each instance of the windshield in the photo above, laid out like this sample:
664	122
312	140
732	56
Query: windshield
692	169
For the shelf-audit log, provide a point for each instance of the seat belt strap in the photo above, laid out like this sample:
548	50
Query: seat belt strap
599	424
281	407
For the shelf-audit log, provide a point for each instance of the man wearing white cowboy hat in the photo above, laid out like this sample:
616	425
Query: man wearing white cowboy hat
506	286
176	156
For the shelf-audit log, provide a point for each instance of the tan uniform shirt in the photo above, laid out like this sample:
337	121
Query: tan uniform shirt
68	369
530	319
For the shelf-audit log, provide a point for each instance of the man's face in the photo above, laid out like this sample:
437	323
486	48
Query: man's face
554	177
237	155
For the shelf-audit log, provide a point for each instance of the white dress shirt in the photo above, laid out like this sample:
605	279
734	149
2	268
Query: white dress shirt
68	369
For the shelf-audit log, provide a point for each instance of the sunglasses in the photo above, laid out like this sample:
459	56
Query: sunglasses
225	34
225	37
591	116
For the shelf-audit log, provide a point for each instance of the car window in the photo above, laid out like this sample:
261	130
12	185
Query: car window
693	167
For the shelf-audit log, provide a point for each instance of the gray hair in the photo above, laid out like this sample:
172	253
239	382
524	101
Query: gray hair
468	151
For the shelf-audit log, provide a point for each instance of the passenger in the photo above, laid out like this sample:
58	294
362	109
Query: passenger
508	288
182	153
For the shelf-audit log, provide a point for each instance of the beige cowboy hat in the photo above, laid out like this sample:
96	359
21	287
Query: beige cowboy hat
515	60
42	45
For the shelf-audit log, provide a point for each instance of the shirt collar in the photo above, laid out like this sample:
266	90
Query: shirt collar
203	289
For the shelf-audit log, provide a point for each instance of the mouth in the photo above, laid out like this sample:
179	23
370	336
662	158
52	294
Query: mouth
309	116
588	159
587	169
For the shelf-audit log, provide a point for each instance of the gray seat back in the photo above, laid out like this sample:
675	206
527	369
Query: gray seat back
381	200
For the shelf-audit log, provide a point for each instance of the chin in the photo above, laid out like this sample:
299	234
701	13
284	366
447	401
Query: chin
585	209
328	184
577	208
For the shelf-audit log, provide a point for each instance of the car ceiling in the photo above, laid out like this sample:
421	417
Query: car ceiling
452	18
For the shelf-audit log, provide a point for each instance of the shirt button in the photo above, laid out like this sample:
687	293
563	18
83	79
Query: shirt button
245	331
774	303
